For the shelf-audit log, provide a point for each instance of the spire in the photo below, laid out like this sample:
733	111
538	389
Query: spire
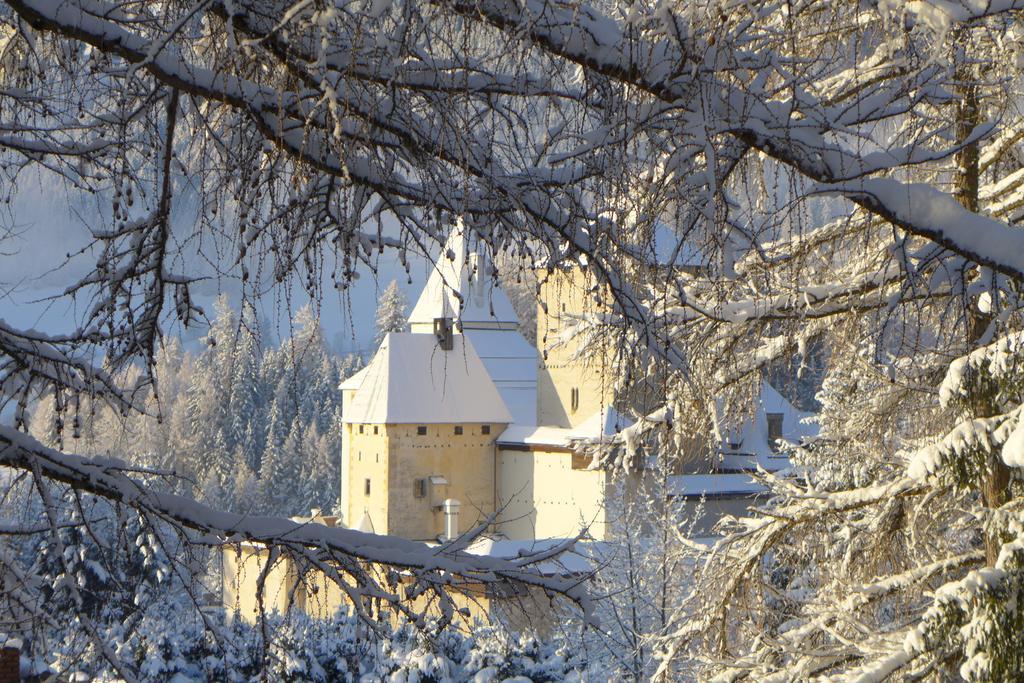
461	287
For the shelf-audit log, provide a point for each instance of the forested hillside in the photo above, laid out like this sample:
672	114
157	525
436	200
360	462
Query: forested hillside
242	426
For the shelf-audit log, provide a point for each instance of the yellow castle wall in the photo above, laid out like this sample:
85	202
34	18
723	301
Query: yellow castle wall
347	396
241	567
320	597
368	459
395	457
565	293
541	496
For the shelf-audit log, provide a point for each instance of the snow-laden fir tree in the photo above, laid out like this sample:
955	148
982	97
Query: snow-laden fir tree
282	484
391	315
209	401
574	133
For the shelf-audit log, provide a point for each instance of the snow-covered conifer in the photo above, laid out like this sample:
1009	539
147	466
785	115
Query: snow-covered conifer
391	313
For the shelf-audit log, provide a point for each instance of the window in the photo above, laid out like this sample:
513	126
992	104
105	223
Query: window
421	430
458	430
360	456
366	487
374	429
486	429
419	488
574	399
360	429
774	430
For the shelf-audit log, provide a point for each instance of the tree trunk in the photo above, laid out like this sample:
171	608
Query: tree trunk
996	482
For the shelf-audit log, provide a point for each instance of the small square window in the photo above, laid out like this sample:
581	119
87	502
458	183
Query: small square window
458	430
366	487
374	429
421	430
486	429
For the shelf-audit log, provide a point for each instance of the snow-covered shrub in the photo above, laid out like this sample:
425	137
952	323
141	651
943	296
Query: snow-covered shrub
106	568
171	638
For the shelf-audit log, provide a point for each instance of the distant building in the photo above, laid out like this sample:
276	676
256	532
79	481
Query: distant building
461	421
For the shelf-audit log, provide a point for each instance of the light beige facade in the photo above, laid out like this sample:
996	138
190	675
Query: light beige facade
284	588
396	473
550	493
570	388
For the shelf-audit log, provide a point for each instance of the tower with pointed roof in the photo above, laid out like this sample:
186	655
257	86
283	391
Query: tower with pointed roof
431	418
421	429
462	287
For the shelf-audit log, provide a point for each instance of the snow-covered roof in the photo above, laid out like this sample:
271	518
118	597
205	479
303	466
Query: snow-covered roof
511	361
665	248
575	561
353	382
462	271
487	316
605	422
365	524
751	436
411	380
731	484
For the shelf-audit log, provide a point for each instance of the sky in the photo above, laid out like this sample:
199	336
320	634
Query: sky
44	223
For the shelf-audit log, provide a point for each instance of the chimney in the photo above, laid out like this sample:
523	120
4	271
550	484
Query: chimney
451	518
443	332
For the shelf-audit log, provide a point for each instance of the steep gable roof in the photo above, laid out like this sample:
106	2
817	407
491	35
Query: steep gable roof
411	380
511	361
461	287
750	436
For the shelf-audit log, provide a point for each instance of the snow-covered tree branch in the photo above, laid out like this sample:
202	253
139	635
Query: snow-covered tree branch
741	183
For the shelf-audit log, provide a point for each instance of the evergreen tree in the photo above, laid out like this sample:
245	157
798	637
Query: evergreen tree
245	382
211	490
251	447
322	461
282	484
245	487
391	315
221	465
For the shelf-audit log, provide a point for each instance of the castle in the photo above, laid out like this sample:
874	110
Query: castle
461	421
463	408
